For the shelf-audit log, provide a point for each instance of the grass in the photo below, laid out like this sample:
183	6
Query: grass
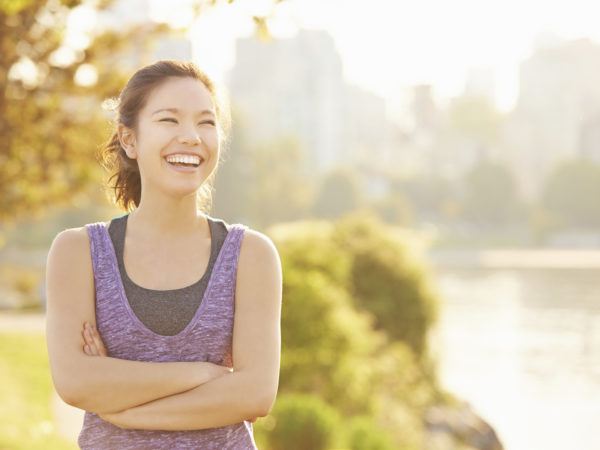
26	421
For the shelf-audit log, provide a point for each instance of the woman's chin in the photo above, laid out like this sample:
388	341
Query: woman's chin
179	191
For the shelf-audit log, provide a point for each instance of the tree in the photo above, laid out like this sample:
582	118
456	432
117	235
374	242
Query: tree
279	190
389	279
51	90
474	116
338	194
431	196
335	344
50	103
233	183
569	194
491	197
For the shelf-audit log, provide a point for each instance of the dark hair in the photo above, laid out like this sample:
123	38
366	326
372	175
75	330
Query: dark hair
125	174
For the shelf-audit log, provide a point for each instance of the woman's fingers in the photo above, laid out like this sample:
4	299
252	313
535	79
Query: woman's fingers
98	342
93	344
89	347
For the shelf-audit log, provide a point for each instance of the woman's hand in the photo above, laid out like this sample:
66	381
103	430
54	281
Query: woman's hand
93	344
95	347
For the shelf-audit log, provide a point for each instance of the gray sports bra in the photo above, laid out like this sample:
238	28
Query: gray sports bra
165	312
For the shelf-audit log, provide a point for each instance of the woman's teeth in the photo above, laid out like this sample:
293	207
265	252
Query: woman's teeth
192	160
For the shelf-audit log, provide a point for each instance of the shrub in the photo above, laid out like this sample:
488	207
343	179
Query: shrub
389	279
364	434
303	421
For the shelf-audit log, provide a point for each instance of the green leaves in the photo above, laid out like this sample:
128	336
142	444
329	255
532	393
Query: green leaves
14	6
357	306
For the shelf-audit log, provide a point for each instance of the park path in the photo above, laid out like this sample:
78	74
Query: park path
67	419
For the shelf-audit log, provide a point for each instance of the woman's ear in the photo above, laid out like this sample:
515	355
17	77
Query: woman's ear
127	139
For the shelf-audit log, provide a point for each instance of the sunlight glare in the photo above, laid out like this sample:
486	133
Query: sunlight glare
86	75
62	57
177	13
24	70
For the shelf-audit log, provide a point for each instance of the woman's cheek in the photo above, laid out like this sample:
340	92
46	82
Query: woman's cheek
210	137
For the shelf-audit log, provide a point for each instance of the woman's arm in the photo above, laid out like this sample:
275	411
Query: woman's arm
105	384
251	389
95	347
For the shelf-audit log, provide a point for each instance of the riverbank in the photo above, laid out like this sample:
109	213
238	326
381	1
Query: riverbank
516	258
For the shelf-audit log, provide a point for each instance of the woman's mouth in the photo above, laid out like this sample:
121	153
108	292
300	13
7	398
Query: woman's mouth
185	163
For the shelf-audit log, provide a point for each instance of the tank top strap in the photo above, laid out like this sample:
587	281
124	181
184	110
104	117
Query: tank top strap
103	255
225	270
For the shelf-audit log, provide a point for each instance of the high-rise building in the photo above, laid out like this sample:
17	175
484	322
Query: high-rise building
589	139
296	86
124	14
558	93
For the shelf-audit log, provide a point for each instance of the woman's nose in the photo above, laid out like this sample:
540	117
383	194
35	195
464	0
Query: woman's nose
190	137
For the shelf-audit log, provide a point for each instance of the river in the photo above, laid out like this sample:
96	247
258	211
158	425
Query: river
522	346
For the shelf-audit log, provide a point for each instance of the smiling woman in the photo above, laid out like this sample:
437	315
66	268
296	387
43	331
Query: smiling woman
164	323
183	101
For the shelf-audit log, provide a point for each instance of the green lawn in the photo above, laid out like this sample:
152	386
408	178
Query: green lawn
25	391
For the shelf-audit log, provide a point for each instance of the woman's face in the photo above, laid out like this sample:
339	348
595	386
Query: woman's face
177	139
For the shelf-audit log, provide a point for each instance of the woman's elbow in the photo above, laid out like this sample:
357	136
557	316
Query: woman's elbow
264	402
68	392
75	397
73	391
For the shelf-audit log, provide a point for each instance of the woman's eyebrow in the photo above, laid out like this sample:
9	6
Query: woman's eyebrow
175	110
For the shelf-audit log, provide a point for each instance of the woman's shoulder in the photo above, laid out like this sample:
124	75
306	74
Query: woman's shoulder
76	239
258	248
259	269
70	248
255	244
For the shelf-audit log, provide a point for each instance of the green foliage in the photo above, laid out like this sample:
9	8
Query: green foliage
267	182
339	348
337	194
231	197
326	345
50	126
9	7
475	116
25	281
26	389
394	208
433	197
569	195
389	280
364	434
491	195
303	421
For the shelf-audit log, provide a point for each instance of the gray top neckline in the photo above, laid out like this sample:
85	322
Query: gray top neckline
117	228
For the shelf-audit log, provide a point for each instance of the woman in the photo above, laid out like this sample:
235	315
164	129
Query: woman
164	324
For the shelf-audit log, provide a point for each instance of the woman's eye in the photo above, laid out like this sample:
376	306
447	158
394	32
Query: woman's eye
208	122
168	119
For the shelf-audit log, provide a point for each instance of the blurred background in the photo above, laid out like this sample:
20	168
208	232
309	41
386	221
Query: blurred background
428	172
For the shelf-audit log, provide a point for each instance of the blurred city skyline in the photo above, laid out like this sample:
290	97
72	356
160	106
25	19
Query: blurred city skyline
446	156
387	47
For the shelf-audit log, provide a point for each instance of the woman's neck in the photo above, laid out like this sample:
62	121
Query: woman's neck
164	218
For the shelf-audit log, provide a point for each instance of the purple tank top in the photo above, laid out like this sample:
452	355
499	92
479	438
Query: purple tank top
208	337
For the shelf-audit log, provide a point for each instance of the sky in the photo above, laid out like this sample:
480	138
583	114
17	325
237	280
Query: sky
387	46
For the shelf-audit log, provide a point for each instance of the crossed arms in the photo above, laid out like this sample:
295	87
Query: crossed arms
175	395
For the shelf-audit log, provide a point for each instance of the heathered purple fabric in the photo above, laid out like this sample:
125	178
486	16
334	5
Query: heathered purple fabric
208	337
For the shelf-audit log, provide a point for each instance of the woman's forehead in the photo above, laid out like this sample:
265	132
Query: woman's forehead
183	94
